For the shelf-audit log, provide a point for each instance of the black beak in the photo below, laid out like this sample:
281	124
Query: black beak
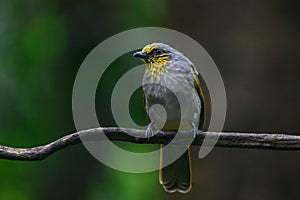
141	54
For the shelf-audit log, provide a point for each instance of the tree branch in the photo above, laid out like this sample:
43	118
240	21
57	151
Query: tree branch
225	139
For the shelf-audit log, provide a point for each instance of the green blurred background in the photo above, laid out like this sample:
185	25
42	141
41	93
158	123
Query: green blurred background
255	44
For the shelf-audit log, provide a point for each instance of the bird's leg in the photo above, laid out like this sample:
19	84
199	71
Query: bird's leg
194	130
150	131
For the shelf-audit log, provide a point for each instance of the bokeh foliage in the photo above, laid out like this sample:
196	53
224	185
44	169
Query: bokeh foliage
42	45
255	45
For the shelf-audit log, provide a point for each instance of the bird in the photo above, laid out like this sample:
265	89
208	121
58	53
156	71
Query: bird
169	74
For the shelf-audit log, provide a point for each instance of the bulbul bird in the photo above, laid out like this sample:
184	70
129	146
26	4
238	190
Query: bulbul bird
170	74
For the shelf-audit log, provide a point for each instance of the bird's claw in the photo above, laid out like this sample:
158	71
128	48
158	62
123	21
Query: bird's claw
150	131
194	130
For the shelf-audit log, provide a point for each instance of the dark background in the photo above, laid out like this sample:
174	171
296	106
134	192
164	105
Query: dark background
255	44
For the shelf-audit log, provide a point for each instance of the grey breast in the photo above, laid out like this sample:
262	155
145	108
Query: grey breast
175	92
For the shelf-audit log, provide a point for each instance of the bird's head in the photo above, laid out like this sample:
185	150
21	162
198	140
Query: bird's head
156	56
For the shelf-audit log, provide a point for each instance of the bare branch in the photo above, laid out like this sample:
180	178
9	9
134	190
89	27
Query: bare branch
225	139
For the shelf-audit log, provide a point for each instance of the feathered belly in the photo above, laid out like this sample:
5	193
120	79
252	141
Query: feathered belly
171	103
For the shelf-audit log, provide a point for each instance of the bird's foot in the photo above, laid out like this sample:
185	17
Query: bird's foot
194	130
150	131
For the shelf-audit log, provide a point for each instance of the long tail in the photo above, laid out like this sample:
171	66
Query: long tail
178	175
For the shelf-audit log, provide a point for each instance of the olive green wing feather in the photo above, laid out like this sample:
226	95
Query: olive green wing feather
198	88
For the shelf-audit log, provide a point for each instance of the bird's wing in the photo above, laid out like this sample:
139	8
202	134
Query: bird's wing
198	88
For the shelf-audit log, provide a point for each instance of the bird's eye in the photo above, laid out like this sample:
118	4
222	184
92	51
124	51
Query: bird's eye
157	51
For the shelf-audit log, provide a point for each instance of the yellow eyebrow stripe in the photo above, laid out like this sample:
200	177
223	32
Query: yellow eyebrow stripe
148	48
